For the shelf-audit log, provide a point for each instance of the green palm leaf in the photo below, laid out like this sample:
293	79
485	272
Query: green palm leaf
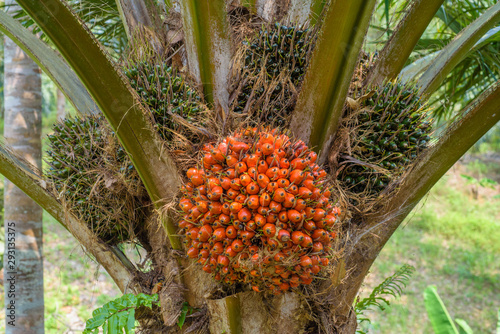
472	75
463	327
437	312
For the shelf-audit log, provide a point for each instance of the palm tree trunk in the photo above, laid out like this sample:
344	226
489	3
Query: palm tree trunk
23	278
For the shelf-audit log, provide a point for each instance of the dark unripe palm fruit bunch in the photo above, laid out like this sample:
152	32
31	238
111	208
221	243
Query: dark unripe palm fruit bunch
166	93
92	172
274	60
390	130
257	210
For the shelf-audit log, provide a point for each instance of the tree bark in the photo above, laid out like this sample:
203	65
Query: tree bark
23	279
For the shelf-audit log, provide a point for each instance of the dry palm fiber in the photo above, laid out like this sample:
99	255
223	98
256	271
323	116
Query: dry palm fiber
258	212
244	25
92	172
267	72
358	82
382	132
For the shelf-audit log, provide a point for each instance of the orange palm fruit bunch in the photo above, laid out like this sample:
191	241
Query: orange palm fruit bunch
257	210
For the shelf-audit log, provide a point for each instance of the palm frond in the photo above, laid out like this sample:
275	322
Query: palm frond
385	19
476	72
101	16
469	79
473	75
49	61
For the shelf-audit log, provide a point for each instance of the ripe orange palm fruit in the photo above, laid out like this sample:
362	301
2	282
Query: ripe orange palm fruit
257	210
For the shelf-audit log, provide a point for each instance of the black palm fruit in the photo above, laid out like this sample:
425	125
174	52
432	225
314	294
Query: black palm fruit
93	174
388	131
166	93
272	67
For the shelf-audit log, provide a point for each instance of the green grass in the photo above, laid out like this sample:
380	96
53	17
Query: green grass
453	240
488	168
76	285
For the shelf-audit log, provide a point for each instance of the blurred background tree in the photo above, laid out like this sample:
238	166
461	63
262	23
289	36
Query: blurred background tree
22	131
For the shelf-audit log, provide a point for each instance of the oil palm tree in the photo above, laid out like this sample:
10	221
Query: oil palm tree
338	94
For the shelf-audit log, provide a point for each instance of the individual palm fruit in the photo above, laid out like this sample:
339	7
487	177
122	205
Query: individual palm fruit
92	172
388	131
167	94
257	211
270	70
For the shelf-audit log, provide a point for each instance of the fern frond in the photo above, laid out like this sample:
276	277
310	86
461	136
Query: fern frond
118	315
391	286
